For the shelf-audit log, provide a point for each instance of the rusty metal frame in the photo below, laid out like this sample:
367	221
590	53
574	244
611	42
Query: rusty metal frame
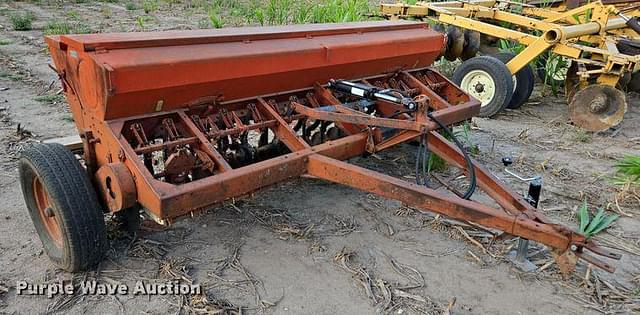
517	217
116	147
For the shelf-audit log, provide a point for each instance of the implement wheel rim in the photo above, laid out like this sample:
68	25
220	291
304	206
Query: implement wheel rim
480	85
45	210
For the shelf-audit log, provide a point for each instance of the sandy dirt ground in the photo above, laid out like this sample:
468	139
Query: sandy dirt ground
311	247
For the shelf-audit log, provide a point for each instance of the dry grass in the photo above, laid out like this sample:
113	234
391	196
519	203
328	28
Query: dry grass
389	297
247	282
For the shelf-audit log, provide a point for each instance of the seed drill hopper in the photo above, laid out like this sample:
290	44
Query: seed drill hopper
175	122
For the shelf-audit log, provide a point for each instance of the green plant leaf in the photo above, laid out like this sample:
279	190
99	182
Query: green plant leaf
583	217
595	222
605	224
576	17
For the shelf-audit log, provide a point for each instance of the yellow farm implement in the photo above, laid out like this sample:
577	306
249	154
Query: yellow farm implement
598	39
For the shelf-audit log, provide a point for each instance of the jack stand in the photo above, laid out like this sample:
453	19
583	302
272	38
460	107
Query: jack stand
519	256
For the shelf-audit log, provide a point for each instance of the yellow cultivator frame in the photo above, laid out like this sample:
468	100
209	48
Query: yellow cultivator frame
588	35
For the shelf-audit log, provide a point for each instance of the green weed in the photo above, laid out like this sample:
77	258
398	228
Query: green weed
337	11
50	98
554	70
277	11
215	18
436	163
463	133
131	6
12	76
141	21
59	27
4	42
259	16
446	67
628	171
73	14
106	12
22	22
582	135
592	226
150	6
510	46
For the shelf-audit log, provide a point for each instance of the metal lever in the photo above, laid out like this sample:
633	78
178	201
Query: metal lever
373	93
508	161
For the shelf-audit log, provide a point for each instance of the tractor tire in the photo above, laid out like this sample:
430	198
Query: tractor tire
488	80
523	82
63	206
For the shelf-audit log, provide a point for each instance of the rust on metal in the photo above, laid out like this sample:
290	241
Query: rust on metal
46	212
180	121
116	186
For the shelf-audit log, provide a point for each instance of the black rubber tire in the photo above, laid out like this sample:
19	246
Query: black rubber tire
500	76
74	204
524	81
634	83
455	43
471	45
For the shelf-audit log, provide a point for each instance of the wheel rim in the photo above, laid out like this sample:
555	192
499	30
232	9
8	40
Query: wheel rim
47	215
480	85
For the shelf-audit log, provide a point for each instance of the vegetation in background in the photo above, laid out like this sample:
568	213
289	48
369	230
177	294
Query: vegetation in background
73	24
582	135
592	226
215	18
463	134
106	12
510	46
149	6
555	70
22	21
131	6
50	99
279	12
141	22
628	171
446	67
